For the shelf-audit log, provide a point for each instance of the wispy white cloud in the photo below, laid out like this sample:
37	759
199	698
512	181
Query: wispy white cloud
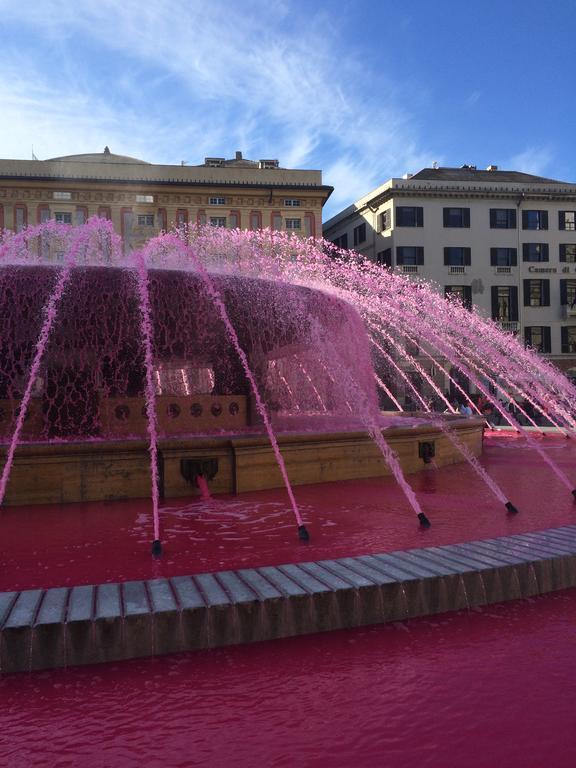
533	159
178	80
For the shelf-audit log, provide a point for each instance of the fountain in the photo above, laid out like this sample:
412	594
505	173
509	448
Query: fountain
217	361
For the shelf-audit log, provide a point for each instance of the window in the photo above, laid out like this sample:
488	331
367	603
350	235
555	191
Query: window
277	221
63	217
503	257
568	252
384	258
567	220
568	292
217	221
81	215
409	255
309	225
463	293
568	338
62	195
536	293
535	252
20	217
538	337
293	224
144	198
235	220
505	303
409	216
342	241
182	217
502	218
457	257
385	219
217	201
145	219
457	217
291	203
104	212
534	219
359	234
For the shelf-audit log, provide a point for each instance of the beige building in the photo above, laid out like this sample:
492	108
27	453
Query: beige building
503	241
142	198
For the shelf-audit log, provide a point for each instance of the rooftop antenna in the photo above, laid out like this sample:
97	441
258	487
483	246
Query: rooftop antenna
435	164
33	155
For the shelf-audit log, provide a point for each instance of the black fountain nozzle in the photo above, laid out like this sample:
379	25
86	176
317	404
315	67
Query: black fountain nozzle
303	534
156	548
511	508
424	522
574	494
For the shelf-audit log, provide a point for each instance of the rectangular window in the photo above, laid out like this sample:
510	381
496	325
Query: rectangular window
567	220
293	224
144	198
62	195
145	219
463	293
342	241
457	217
385	220
409	216
235	220
62	217
502	218
538	337
81	215
409	255
457	257
568	252
568	293
20	217
359	234
217	221
568	339
503	257
534	219
291	203
535	251
536	293
504	303
217	201
384	258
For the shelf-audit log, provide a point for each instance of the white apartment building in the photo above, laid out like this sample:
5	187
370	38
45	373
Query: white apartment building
503	241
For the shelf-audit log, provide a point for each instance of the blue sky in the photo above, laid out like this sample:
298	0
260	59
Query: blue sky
362	90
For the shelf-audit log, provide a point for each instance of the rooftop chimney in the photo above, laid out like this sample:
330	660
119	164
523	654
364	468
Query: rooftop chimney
238	155
492	168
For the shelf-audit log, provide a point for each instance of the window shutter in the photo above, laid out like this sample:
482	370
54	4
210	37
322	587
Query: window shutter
544	252
494	291
399	255
526	292
563	252
419	217
512	218
492	218
561	224
514	304
467	257
563	292
420	256
493	257
545	293
543	219
446	217
465	217
546	339
528	335
524	219
564	337
468	296
446	256
525	251
513	257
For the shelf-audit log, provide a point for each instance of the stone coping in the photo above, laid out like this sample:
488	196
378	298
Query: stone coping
66	626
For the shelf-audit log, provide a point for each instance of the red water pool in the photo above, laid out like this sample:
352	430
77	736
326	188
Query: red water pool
483	689
61	545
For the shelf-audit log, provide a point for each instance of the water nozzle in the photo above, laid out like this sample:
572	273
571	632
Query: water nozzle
511	508
303	534
156	548
424	522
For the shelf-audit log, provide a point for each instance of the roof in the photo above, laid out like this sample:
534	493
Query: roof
98	157
470	173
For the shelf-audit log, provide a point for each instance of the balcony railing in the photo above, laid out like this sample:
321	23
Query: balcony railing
409	268
503	270
509	326
457	270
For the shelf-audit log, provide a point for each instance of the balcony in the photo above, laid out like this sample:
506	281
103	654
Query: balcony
503	270
457	270
412	268
509	326
569	312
